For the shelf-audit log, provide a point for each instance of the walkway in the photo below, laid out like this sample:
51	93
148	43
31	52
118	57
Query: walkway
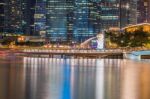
138	55
91	53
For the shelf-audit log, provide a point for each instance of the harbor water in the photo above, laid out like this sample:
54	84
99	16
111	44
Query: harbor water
73	78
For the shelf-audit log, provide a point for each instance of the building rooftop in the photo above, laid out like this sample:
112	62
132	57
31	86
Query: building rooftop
132	28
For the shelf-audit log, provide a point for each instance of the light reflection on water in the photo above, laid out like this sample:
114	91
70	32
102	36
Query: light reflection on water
146	60
50	78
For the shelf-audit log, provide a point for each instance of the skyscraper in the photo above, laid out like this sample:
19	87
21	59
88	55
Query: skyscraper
79	20
31	11
40	17
132	11
70	19
28	10
143	11
56	20
124	13
109	14
2	3
19	16
83	27
13	16
128	12
63	20
116	13
67	20
149	11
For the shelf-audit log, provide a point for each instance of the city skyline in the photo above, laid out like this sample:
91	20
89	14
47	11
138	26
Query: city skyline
70	20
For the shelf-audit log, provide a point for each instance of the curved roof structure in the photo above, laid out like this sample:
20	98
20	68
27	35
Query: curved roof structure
132	28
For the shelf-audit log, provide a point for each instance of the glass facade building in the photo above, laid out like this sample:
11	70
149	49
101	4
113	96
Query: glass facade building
148	11
143	11
128	12
67	20
124	13
16	16
63	20
2	15
40	17
78	20
31	12
132	12
83	27
13	16
28	10
109	14
57	19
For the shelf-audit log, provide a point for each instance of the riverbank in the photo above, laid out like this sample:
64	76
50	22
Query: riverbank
65	53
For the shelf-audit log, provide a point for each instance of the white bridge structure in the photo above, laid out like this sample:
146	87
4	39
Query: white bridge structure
74	52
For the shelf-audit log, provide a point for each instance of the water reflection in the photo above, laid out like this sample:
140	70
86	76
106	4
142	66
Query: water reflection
50	78
135	80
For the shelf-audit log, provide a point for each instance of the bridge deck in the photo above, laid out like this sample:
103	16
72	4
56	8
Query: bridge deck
94	53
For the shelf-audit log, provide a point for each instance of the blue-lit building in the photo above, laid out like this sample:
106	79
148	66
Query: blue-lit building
108	14
61	20
40	17
78	20
83	26
66	20
57	20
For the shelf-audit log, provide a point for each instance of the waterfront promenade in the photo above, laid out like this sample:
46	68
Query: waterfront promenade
83	53
105	53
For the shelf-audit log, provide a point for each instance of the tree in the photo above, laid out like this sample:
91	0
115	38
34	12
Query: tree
138	38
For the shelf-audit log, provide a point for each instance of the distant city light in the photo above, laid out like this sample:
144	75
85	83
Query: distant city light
100	41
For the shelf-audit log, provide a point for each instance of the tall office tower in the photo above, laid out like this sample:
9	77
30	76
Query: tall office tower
70	19
109	14
27	9
124	13
128	12
31	12
78	20
143	11
63	20
83	28
132	11
19	17
13	17
2	16
56	20
149	11
105	14
94	16
40	17
59	20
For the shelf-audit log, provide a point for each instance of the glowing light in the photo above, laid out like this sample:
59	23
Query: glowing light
100	41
